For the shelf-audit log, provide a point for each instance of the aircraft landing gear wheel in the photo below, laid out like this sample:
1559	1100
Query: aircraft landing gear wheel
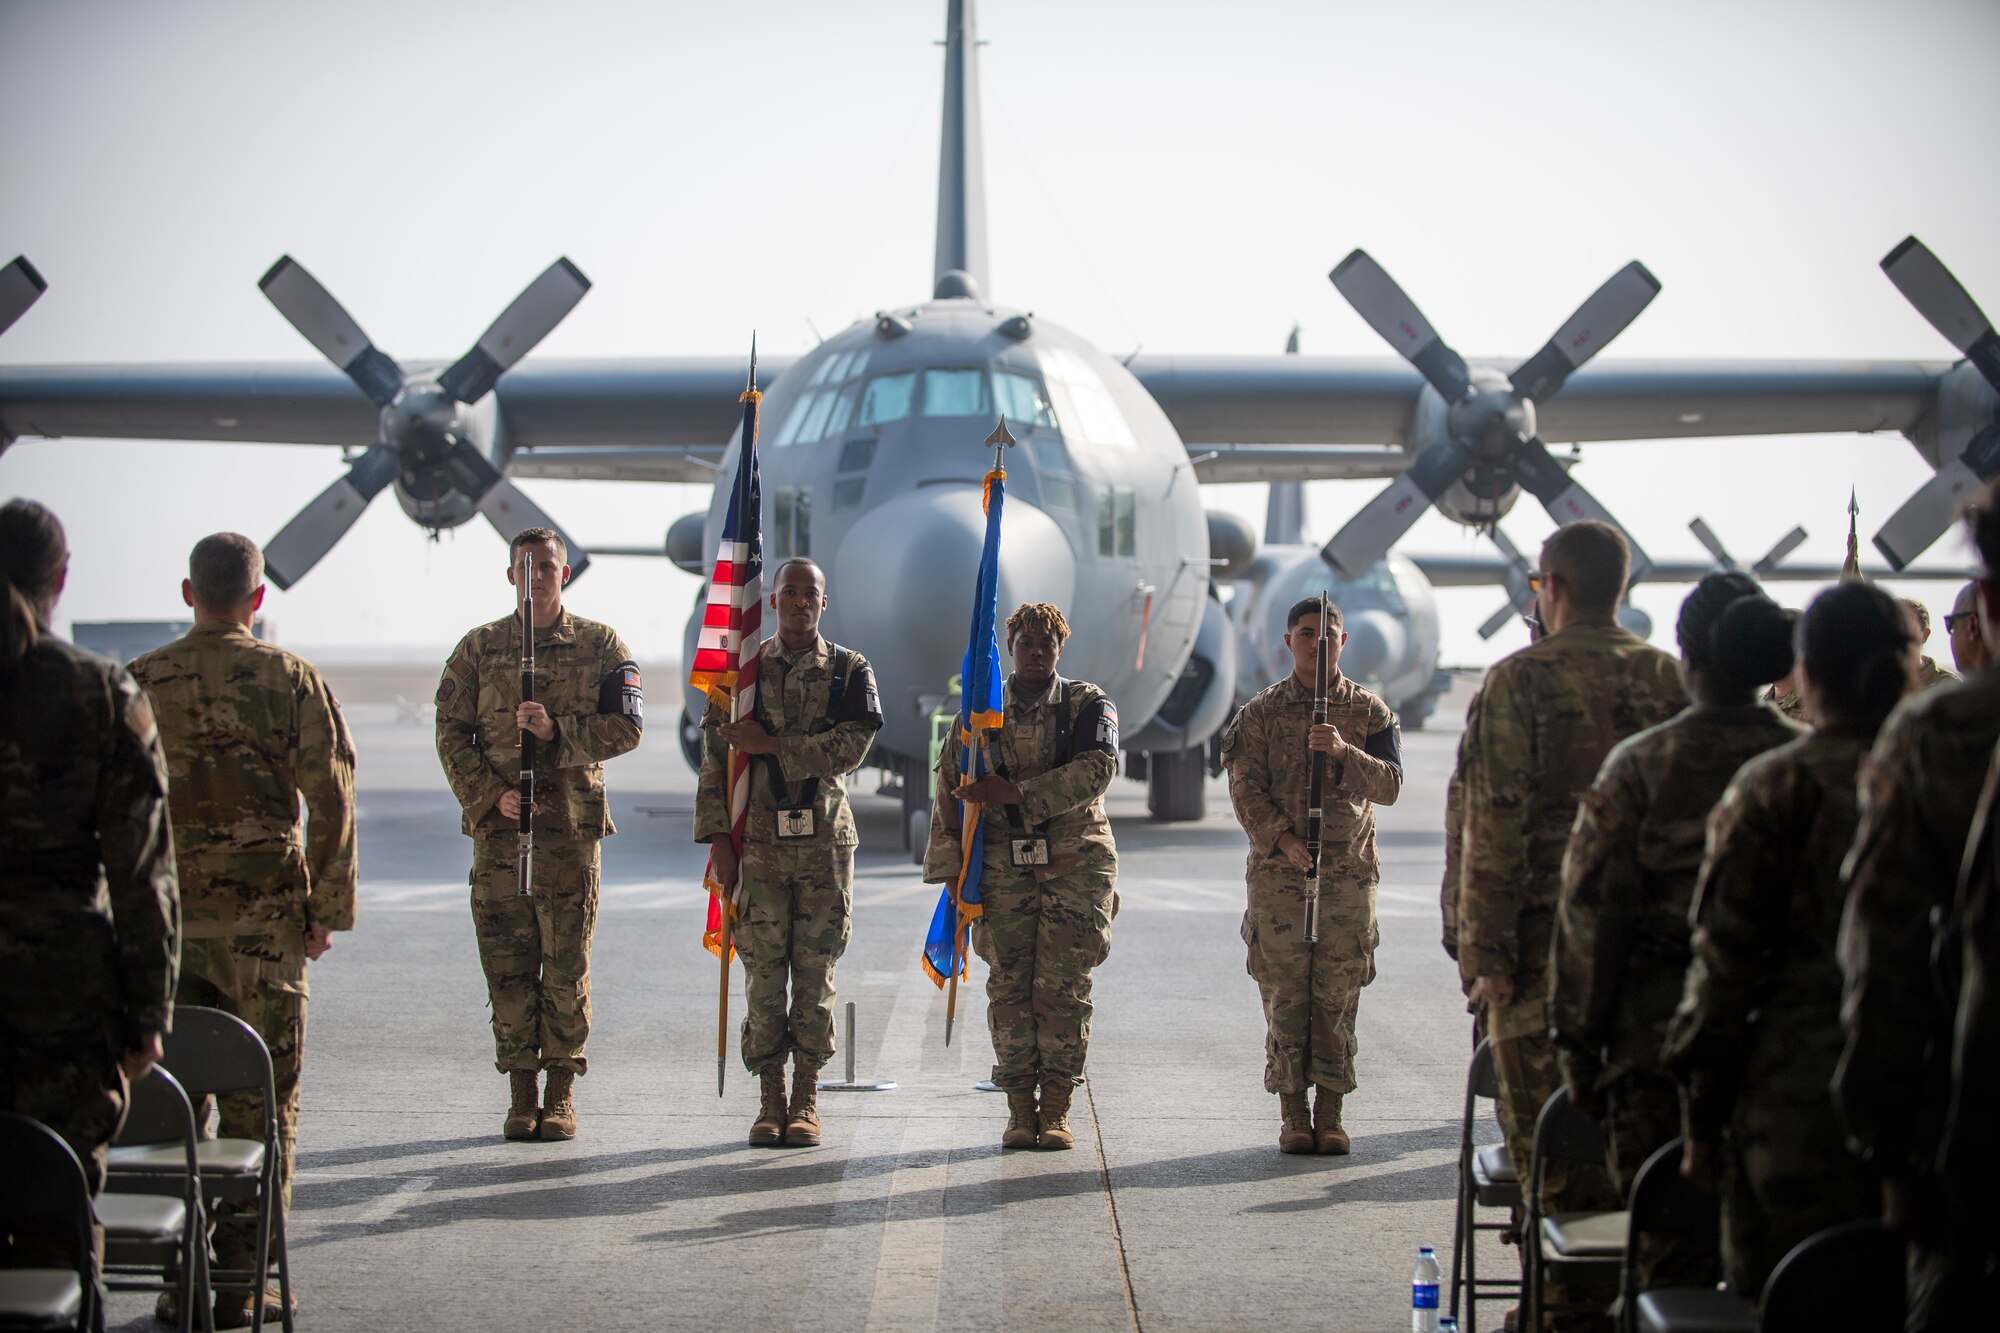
1175	789
917	831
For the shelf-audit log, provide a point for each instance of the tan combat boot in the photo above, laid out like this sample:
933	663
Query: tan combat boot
802	1120
1328	1137
232	1309
559	1113
1054	1115
769	1129
523	1114
1021	1125
1297	1134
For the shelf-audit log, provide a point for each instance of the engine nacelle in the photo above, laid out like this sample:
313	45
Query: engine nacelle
684	544
1202	698
1481	499
1231	540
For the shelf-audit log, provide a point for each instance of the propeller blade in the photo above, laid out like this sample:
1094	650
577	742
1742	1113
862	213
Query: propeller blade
534	313
1706	536
1387	310
310	308
512	513
1941	299
1567	501
1596	322
1787	544
20	287
1498	621
313	530
1939	501
1367	537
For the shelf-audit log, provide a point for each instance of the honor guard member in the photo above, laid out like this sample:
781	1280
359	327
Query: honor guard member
1547	717
1928	673
817	713
1756	1036
1621	951
1048	880
1312	991
1919	787
249	730
89	912
588	707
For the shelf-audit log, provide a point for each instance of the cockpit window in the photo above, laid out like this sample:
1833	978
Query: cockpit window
1022	399
955	393
887	398
1086	407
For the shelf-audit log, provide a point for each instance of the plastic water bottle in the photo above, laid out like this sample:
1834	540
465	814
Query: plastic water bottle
1424	1292
1446	1324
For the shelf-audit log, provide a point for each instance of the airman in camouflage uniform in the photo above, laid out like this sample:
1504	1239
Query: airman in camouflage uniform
1928	673
1919	787
817	713
1967	1161
588	707
1311	991
1454	842
89	908
1756	1036
1046	922
1548	716
248	730
1621	948
1961	625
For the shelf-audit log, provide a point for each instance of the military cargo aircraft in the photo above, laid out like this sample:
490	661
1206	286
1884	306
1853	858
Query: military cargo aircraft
872	463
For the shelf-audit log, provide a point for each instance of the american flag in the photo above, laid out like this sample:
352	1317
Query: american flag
727	657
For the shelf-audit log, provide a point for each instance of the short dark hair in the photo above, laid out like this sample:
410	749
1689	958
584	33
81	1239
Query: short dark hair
778	574
1855	642
1593	561
1044	616
1309	606
535	536
226	570
1730	631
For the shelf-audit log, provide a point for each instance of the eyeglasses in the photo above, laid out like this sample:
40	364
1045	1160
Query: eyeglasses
1951	620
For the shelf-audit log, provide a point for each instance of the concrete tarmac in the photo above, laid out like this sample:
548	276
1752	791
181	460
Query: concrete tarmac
1174	1211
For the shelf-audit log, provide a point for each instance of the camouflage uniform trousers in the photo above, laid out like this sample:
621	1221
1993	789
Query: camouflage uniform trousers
797	915
262	980
1524	1059
1040	939
1786	1173
59	1065
536	950
1642	1112
1311	992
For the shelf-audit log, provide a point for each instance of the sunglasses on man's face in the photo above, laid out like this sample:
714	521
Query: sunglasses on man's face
1952	620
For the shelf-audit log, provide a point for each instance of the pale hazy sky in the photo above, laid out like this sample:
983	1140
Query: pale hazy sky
1176	175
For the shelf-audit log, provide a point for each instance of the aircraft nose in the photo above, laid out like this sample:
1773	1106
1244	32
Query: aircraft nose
902	587
1376	646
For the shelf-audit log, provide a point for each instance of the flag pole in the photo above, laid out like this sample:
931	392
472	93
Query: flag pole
951	986
727	902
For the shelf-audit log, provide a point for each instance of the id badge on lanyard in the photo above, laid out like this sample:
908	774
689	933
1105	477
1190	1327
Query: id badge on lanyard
795	821
1029	850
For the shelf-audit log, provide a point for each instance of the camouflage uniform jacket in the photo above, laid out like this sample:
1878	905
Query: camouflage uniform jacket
1919	787
1967	1161
1547	717
1763	992
86	847
1454	839
584	676
1930	674
248	728
1270	772
1063	801
1621	949
793	692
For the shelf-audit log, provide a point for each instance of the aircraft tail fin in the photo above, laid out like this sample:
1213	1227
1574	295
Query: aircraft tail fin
961	214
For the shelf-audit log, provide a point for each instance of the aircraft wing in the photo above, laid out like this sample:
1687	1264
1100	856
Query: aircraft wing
1286	400
685	403
1477	570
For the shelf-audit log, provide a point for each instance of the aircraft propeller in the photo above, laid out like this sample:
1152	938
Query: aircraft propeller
1490	434
1520	596
1785	546
1942	300
20	287
422	442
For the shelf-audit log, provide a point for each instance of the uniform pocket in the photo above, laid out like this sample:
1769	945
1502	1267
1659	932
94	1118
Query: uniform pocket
1254	956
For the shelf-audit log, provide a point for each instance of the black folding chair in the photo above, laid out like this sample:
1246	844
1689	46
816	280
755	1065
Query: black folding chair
1566	1240
45	1184
1849	1276
155	1235
1663	1203
1486	1179
212	1054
